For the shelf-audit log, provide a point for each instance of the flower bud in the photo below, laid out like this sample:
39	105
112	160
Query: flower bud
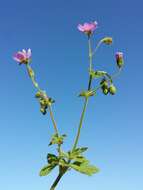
112	89
107	40
105	91
119	59
104	84
42	102
43	111
38	94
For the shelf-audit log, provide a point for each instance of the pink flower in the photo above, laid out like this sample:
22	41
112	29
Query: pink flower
119	59
88	28
23	56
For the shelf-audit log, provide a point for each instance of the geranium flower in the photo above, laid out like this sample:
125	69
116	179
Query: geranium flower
23	56
88	28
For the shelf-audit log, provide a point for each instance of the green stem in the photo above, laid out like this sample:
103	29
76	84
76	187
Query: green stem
80	124
89	83
53	120
117	73
38	88
97	46
90	62
33	78
86	99
90	54
56	181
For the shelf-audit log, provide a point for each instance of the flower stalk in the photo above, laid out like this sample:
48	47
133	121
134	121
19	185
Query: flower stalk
31	75
86	98
80	124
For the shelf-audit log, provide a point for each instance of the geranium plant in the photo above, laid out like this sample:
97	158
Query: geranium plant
74	158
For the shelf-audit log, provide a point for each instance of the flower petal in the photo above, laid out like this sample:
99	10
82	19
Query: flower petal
80	28
29	53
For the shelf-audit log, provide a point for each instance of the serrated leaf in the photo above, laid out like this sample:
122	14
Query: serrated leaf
84	168
77	152
47	169
80	159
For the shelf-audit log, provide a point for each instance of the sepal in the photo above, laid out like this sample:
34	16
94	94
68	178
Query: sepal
87	94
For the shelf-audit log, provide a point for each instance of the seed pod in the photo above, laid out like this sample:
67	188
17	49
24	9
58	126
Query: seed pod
104	84
42	102
38	94
105	91
112	89
43	111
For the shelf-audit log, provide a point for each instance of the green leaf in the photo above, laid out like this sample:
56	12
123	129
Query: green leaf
64	155
52	159
63	163
97	74
77	152
84	168
80	159
47	169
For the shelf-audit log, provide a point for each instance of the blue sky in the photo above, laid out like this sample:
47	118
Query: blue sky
113	126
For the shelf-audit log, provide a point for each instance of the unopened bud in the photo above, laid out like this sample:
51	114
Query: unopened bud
112	89
119	59
105	91
38	95
42	102
104	84
107	40
43	111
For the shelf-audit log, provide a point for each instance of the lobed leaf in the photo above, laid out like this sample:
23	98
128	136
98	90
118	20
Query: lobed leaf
52	159
47	169
77	152
84	168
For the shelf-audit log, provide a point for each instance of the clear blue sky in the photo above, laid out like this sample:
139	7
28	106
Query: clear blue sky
113	127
